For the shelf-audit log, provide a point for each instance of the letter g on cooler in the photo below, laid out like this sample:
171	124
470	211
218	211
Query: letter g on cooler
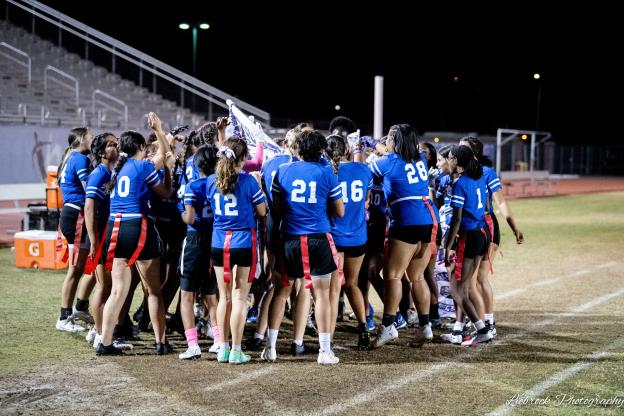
33	249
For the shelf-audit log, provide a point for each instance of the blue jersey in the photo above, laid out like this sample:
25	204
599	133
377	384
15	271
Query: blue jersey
377	209
269	169
75	171
195	195
304	189
131	194
164	209
493	184
234	211
96	189
355	181
405	185
470	195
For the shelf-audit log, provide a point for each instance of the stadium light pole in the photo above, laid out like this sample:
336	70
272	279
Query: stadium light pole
537	77
194	27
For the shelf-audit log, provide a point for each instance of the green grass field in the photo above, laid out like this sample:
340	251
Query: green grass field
560	299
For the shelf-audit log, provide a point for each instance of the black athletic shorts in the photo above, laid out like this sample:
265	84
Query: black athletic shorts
69	216
128	240
273	233
319	250
439	236
412	234
475	244
376	229
172	232
495	230
238	256
352	251
195	265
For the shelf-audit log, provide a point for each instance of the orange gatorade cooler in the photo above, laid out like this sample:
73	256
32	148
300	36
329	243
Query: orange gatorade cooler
37	249
54	199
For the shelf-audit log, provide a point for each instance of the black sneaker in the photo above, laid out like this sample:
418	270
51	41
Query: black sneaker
254	344
138	314
102	349
297	350
363	340
163	348
341	309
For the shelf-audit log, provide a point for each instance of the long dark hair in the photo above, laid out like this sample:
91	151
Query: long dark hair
98	146
445	150
466	160
405	142
433	155
336	149
76	135
311	145
130	143
226	166
342	126
476	146
206	159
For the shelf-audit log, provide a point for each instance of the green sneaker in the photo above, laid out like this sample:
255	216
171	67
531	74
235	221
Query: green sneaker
239	357
223	355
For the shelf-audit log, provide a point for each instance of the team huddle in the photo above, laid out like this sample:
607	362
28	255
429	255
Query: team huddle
328	217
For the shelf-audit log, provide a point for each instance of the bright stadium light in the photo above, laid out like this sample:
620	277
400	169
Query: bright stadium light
456	78
337	107
436	139
204	26
536	76
184	26
524	137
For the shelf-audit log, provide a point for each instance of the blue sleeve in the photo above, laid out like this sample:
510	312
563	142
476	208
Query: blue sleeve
276	188
191	194
459	195
151	174
369	177
82	168
94	186
257	196
379	166
335	192
493	182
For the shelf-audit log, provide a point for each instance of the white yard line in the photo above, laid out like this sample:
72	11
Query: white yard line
433	369
556	379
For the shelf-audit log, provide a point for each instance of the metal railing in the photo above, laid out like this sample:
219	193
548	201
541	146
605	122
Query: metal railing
100	114
74	88
27	64
141	60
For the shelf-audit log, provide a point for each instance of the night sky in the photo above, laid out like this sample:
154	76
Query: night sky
298	61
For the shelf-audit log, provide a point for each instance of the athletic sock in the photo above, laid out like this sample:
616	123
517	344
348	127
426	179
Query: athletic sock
216	333
273	337
191	337
82	305
65	313
458	327
479	325
489	317
258	336
225	346
299	342
236	347
387	320
423	320
324	341
433	311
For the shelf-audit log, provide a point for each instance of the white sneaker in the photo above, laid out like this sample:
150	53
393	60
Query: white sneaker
386	335
122	345
96	340
91	335
327	358
84	316
68	325
482	338
269	354
428	332
452	339
214	348
191	353
412	317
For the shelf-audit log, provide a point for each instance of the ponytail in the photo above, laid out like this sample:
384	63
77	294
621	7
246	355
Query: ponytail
466	160
233	152
336	150
76	135
476	146
130	143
